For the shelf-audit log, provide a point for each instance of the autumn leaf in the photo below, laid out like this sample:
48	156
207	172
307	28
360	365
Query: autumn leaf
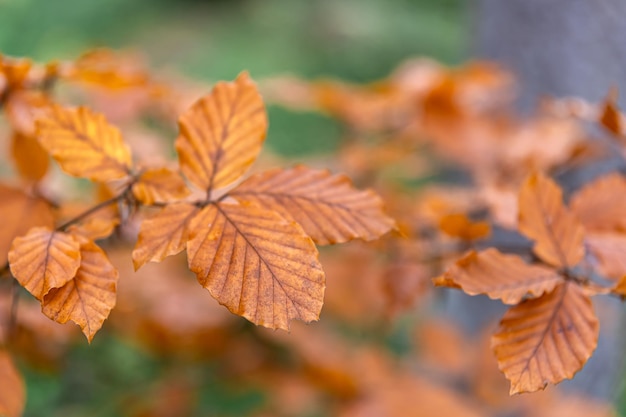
257	264
44	259
222	134
328	207
84	144
89	297
460	226
557	233
109	69
12	390
600	205
20	212
159	185
546	339
163	234
610	116
31	160
499	276
608	251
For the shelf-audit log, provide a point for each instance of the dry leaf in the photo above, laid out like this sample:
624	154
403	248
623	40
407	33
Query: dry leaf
609	253
557	233
327	206
546	339
44	259
160	185
222	134
459	225
257	264
12	390
89	297
84	144
163	234
499	276
600	205
31	160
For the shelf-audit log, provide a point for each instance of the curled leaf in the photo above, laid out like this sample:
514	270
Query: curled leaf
43	260
222	134
257	264
327	206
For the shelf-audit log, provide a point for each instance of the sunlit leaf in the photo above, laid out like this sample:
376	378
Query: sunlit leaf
20	212
557	233
327	206
546	339
222	134
87	299
159	185
44	259
110	69
257	264
163	234
84	144
499	276
12	390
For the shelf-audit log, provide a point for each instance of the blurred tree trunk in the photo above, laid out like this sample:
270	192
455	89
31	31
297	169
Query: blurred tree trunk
562	48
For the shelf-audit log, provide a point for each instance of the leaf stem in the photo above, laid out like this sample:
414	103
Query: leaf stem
94	209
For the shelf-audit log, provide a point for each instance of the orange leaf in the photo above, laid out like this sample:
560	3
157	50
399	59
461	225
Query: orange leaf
601	204
44	259
12	391
328	207
222	134
499	276
159	185
94	228
557	233
546	339
87	299
31	160
257	264
610	116
84	144
19	213
109	69
609	251
163	234
459	225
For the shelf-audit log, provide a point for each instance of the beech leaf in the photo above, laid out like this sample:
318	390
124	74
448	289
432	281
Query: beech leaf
222	134
159	186
601	204
20	212
84	144
44	259
257	264
327	206
609	253
12	390
31	160
546	339
557	233
499	276
163	234
87	299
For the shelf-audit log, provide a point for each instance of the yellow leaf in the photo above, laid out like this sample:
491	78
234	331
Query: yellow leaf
44	259
546	339
257	264
12	391
499	276
557	233
19	213
31	160
87	299
84	144
222	134
163	234
328	207
159	185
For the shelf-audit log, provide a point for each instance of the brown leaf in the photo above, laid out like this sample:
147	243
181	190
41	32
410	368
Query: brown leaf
459	225
499	276
12	390
557	233
163	234
31	160
87	299
84	144
20	212
601	204
609	253
610	116
257	264
327	206
222	134
95	228
546	339
44	259
159	185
